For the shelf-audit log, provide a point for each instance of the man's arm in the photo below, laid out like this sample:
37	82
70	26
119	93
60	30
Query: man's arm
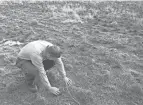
62	72
37	61
61	67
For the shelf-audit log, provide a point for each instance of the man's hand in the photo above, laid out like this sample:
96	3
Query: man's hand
54	90
68	81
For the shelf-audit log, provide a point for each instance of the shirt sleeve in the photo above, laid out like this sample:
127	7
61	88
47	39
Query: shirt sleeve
61	67
38	62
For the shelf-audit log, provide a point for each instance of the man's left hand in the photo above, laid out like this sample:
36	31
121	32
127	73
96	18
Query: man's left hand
68	81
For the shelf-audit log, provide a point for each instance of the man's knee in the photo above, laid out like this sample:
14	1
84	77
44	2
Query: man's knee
28	67
29	78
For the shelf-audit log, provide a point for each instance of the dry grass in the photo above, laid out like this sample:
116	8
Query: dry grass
102	43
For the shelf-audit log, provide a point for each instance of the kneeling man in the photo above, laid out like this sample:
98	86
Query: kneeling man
35	58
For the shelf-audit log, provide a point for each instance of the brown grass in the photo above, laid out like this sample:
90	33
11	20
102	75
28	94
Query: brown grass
102	43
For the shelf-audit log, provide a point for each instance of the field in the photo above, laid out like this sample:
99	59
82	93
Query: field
102	44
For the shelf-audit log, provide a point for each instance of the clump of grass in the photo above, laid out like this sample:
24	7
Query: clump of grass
2	60
38	102
135	73
53	77
34	22
99	80
136	89
12	87
81	96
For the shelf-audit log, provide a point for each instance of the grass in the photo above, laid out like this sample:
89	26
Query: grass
102	44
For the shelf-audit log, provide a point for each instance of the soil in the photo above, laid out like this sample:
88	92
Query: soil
102	44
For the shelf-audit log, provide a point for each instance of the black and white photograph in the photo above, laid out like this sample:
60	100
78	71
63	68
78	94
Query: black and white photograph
71	52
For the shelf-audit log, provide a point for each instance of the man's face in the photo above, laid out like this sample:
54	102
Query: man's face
48	56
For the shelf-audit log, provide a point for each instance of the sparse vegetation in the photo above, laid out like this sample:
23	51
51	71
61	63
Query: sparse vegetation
103	50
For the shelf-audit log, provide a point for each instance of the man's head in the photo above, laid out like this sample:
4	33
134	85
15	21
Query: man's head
53	52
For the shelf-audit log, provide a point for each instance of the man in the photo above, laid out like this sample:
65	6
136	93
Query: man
35	58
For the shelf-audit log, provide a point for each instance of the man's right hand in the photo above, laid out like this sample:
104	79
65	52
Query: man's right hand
54	90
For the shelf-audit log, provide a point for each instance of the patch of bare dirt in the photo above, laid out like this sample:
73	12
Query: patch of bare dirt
103	51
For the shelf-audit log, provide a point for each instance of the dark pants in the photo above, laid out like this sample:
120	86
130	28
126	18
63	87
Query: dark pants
31	72
48	64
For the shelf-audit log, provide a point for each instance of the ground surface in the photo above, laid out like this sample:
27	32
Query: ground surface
103	51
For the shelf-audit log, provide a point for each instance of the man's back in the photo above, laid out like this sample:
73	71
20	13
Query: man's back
33	47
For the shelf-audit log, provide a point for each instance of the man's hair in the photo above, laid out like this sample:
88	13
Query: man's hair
54	51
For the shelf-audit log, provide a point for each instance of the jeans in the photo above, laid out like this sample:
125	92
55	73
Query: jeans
30	70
